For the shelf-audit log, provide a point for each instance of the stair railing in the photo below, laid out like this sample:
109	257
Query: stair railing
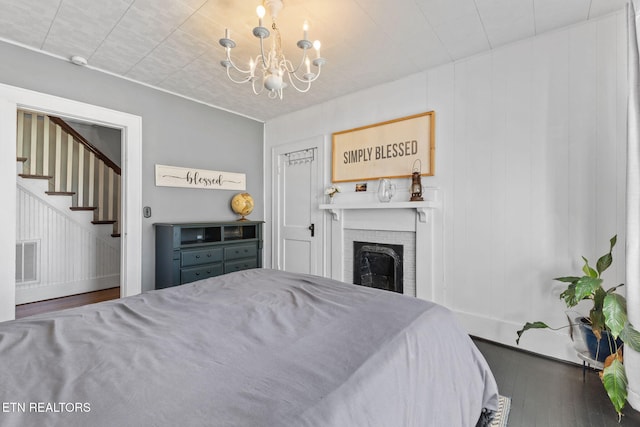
51	149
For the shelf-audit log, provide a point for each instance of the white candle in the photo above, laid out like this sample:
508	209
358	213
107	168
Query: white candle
260	11
305	30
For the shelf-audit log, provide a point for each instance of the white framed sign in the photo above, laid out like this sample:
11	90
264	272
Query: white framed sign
174	176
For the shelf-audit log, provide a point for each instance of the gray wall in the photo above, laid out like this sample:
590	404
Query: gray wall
175	132
105	139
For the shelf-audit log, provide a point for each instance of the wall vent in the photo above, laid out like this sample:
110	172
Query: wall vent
27	262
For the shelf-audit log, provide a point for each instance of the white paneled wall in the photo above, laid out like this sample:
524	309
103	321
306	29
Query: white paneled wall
73	256
530	146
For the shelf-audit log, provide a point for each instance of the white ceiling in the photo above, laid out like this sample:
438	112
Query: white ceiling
173	44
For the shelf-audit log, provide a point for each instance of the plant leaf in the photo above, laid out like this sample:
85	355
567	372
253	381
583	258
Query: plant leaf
570	279
588	270
614	309
615	383
613	288
631	337
569	296
587	286
530	325
605	260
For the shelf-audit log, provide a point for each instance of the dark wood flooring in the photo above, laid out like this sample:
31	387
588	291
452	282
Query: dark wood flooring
549	393
24	310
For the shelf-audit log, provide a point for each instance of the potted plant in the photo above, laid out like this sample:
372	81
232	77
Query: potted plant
608	314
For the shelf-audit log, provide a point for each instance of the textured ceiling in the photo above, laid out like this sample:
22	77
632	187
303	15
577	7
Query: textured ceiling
173	44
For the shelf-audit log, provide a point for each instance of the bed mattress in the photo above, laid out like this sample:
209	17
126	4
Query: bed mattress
253	348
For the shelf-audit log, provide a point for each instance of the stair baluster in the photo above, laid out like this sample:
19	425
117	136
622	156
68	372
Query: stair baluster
79	169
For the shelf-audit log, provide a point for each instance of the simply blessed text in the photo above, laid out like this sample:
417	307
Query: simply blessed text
381	152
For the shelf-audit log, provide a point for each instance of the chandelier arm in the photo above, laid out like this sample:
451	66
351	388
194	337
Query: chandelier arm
288	65
264	63
235	67
317	75
303	90
246	79
253	86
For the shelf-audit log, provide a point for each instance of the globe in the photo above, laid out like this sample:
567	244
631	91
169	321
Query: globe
242	204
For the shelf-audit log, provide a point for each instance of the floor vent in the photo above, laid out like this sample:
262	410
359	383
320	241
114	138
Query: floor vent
27	262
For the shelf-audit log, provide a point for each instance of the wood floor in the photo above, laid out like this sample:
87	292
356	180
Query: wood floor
548	393
24	310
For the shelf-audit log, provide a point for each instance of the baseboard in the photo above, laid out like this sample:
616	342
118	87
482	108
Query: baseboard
31	294
544	342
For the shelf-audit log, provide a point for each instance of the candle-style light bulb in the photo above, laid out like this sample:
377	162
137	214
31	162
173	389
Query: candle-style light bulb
226	33
260	10
316	46
305	30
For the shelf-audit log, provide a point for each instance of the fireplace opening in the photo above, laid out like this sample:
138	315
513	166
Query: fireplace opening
378	265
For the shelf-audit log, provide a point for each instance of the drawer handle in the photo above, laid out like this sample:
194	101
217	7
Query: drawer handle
197	256
197	274
208	255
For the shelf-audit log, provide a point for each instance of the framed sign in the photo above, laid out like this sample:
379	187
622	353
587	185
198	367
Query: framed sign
174	176
385	150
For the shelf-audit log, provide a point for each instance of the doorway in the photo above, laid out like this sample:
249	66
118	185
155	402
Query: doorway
68	207
12	99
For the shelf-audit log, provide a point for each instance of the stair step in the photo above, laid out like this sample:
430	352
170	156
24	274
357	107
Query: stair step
24	175
83	208
108	221
61	193
21	159
115	235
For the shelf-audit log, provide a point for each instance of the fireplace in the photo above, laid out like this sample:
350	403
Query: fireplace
378	265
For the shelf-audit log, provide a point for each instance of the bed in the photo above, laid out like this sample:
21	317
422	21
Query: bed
253	348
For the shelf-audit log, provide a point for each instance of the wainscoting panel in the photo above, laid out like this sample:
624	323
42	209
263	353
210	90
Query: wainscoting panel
73	257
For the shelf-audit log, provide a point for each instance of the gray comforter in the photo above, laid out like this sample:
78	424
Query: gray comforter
253	348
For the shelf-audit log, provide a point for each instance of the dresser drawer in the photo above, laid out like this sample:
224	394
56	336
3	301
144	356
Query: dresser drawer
242	264
188	275
200	256
240	251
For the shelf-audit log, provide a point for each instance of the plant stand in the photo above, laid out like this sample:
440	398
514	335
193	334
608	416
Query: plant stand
588	361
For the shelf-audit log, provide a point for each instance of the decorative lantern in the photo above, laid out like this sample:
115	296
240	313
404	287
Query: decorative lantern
416	183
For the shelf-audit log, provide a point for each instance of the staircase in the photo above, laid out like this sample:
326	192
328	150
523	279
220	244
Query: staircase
49	149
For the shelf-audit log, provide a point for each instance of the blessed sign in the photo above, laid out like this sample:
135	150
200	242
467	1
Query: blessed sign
173	176
385	150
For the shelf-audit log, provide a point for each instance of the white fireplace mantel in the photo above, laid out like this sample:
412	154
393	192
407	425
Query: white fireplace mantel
422	208
365	213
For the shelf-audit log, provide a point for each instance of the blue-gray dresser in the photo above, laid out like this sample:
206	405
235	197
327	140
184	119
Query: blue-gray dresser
186	252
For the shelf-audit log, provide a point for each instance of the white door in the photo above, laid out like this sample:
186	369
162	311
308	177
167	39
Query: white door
298	219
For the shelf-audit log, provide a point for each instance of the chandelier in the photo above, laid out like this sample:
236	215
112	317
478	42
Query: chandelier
269	69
